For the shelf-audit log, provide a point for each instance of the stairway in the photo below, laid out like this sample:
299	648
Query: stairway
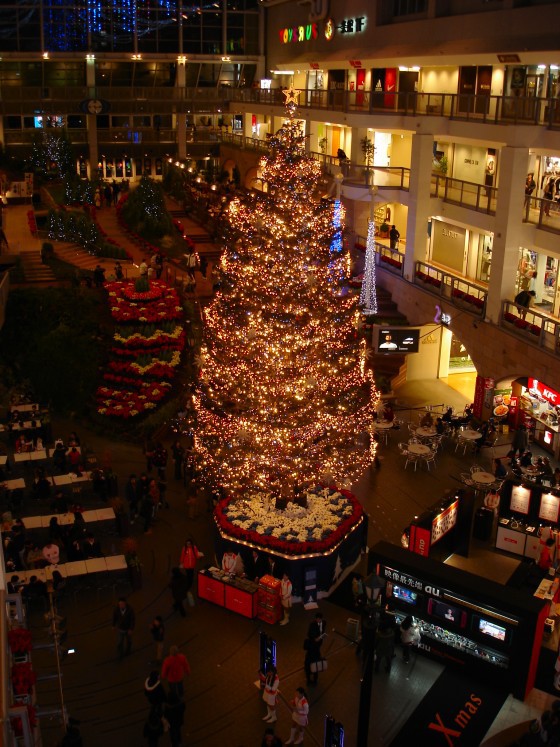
392	366
34	271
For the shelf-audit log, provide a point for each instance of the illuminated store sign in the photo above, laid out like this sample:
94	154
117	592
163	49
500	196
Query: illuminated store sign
545	392
299	33
310	31
444	522
352	25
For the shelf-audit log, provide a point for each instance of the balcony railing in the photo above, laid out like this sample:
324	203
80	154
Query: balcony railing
461	292
458	192
391	259
545	214
491	109
532	326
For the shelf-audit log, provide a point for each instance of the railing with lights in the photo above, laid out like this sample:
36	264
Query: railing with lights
390	259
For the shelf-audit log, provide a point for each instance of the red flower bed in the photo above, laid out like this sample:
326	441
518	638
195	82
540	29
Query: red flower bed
23	678
136	360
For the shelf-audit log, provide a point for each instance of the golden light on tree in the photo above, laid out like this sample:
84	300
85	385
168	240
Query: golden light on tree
284	395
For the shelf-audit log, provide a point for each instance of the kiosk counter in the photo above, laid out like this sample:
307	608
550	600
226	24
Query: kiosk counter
492	630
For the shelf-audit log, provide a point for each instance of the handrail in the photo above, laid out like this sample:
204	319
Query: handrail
390	259
462	292
533	326
471	107
543	213
460	192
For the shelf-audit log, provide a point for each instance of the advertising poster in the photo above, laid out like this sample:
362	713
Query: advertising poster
548	510
520	498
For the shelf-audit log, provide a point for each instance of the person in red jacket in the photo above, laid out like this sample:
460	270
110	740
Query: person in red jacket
188	560
174	668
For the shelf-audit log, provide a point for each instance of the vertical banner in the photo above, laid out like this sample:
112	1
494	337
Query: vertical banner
390	87
479	391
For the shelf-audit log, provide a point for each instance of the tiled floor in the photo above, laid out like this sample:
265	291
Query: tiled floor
223	704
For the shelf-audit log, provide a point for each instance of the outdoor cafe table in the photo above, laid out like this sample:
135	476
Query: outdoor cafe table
470	434
424	432
42	522
383	425
27	426
96	565
66	450
419	449
483	478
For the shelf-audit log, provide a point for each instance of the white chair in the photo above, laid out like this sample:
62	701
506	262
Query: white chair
430	459
466	479
462	443
414	440
382	435
412	428
413	459
476	468
403	448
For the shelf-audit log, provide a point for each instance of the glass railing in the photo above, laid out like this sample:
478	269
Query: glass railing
545	214
474	196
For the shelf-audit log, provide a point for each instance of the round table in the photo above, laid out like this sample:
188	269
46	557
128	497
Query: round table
382	425
483	478
469	434
425	432
419	449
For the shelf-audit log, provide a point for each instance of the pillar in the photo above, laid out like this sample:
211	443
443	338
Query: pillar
508	228
419	205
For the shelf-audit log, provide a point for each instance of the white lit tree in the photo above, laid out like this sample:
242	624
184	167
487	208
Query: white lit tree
368	294
284	397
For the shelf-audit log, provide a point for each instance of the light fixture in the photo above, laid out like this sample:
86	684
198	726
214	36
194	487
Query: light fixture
181	59
90	57
226	59
282	72
541	67
45	55
136	56
552	67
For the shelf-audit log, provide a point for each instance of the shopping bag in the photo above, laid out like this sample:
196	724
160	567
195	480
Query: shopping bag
318	666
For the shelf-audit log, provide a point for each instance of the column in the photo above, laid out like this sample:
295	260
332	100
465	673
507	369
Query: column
419	205
91	119
508	228
181	119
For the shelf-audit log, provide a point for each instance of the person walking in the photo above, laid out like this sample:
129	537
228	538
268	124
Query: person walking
519	442
174	712
178	455
153	689
394	237
410	636
157	630
524	299
549	195
300	716
175	667
123	622
179	590
270	694
153	728
188	560
384	645
286	592
315	636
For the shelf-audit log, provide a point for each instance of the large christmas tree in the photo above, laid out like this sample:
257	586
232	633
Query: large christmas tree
285	397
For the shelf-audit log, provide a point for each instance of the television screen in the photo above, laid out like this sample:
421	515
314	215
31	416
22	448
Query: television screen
491	629
405	595
396	339
446	612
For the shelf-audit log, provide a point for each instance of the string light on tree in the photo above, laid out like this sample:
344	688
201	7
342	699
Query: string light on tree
368	293
285	397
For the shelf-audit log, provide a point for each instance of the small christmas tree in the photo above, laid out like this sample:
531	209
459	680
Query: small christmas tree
284	397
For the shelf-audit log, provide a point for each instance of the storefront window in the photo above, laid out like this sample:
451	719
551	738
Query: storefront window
459	359
484	260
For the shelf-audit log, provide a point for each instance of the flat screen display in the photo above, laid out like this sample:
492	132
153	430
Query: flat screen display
446	612
405	595
491	629
396	340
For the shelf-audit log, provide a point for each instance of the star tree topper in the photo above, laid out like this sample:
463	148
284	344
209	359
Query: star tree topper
292	97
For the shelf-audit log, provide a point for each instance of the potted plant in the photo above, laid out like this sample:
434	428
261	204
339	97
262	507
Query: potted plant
323	144
368	150
383	230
